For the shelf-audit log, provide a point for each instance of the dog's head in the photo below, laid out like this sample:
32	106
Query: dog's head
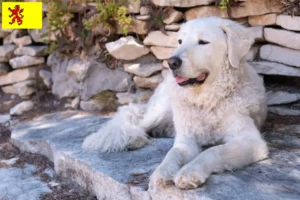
204	47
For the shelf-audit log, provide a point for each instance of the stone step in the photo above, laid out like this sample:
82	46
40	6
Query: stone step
124	175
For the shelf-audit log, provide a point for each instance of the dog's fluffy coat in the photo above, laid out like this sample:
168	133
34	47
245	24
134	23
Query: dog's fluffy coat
227	110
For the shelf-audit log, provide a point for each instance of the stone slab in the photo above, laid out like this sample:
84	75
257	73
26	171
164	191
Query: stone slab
59	137
272	68
289	22
284	38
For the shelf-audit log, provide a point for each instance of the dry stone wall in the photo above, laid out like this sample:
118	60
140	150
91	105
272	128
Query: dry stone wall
143	54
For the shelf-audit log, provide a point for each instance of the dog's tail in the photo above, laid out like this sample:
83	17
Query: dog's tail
120	133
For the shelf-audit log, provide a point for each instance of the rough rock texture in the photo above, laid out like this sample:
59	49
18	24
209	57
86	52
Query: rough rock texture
75	103
248	8
133	6
143	70
75	77
9	89
7	52
23	41
252	54
162	53
4	68
173	16
284	111
137	26
280	54
172	27
21	108
18	75
150	82
41	35
90	106
272	68
140	96
25	61
25	88
46	77
282	97
178	3
282	37
13	35
31	51
257	33
288	22
143	17
124	175
262	20
158	38
126	48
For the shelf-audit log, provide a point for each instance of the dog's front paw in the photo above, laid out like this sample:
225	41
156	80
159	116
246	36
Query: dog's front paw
189	178
163	175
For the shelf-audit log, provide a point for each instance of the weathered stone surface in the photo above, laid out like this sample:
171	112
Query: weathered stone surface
21	108
162	53
4	68
23	41
143	17
248	8
3	33
9	89
75	77
25	88
262	20
280	54
284	111
13	35
75	103
4	118
41	35
173	16
289	22
252	54
172	27
272	68
102	29
59	138
150	82
140	96
257	33
31	51
7	52
143	70
282	97
144	10
133	6
25	61
126	48
90	106
18	75
46	77
137	26
177	3
158	38
282	37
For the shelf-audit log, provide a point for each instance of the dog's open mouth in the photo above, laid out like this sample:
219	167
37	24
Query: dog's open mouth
191	81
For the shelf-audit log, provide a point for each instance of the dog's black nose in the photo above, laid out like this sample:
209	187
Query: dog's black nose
174	63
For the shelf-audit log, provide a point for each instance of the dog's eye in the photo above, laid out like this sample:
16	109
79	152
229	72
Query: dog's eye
202	42
179	41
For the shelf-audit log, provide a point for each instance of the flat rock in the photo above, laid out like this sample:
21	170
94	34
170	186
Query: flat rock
143	17
4	118
284	111
21	108
9	89
289	22
133	6
158	38
280	54
46	77
143	70
144	10
25	88
41	35
272	68
126	48
190	3
284	38
172	16
140	96
23	41
13	35
18	75
90	106
248	8
140	27
7	52
162	53
149	82
25	61
4	68
173	27
282	97
31	51
75	103
59	137
263	20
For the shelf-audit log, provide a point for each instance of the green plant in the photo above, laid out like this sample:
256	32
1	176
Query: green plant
106	100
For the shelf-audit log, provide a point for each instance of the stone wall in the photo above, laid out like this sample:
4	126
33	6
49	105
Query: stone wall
143	54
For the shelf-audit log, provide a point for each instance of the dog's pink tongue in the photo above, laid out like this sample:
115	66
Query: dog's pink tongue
201	77
180	79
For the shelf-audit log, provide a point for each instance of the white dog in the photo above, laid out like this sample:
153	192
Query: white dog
210	97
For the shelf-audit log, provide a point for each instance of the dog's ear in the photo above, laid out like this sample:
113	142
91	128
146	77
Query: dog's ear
238	42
